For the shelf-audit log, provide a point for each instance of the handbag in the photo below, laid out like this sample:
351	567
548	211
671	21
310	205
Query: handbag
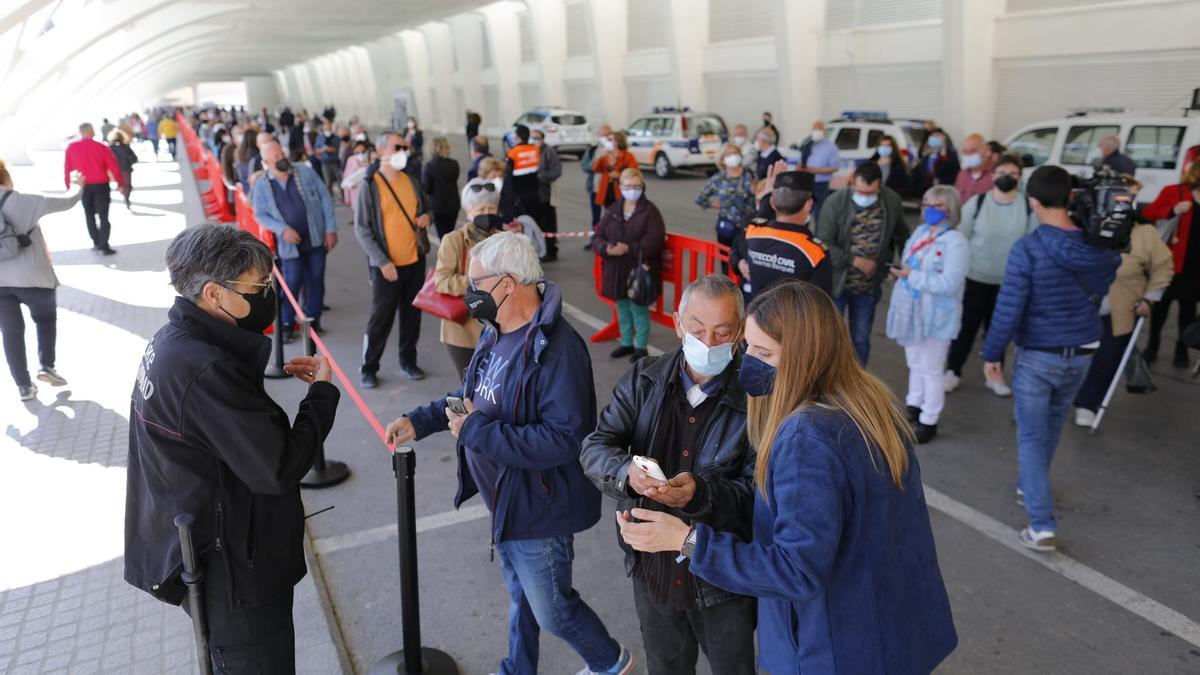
641	286
1137	374
443	305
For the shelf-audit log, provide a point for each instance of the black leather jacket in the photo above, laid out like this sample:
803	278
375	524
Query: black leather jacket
724	472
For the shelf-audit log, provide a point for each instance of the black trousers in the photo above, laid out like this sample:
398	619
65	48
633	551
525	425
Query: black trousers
246	640
1176	292
461	358
44	310
549	224
444	222
389	300
1104	366
95	206
671	637
979	301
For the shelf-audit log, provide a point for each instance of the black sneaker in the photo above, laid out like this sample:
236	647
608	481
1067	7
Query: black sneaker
369	381
316	328
638	355
108	250
1181	357
623	350
412	372
913	413
549	258
925	432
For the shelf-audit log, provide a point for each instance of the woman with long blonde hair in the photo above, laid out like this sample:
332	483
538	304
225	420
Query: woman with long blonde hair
843	560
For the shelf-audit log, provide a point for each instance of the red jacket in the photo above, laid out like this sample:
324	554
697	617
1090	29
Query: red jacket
1164	207
94	160
616	161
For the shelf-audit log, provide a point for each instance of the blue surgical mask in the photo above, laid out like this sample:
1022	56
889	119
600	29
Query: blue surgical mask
884	150
863	201
756	376
933	216
935	142
706	361
631	195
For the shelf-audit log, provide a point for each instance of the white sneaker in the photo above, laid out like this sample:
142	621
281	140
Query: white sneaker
950	381
1084	417
1041	541
998	388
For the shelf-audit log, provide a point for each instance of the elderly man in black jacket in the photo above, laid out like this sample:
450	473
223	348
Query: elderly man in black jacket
205	439
686	412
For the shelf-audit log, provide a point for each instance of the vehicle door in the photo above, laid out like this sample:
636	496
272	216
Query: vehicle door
640	142
1158	152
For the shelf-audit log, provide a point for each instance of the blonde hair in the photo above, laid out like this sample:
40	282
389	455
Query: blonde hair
118	135
490	164
633	173
818	367
1192	175
727	149
441	146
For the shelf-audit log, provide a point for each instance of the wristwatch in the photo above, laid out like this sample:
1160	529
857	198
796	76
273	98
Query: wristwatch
689	546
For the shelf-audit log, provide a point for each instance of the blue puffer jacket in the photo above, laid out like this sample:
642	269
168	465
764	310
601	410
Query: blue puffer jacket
549	406
1045	299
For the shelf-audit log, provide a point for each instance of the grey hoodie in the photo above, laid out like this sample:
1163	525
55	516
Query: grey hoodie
31	268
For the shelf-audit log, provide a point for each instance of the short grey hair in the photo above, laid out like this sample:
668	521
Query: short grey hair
713	286
509	253
473	199
948	195
381	139
213	252
789	201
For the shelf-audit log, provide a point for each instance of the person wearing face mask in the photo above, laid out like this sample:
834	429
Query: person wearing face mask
326	149
819	156
416	141
926	304
938	166
549	172
479	151
439	180
892	165
586	162
768	123
991	223
491	170
975	176
391	217
765	141
291	201
608	167
741	138
206	440
730	191
839	520
530	400
863	226
686	411
784	248
355	170
631	232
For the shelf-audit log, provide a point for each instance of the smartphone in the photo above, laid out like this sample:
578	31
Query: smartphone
456	404
650	467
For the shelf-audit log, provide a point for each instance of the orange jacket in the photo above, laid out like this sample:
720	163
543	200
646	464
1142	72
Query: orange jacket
616	162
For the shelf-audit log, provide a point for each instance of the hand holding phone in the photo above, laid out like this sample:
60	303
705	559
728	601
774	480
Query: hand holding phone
649	467
456	404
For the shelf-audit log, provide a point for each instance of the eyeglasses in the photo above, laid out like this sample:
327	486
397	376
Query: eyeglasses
482	187
474	281
266	285
398	147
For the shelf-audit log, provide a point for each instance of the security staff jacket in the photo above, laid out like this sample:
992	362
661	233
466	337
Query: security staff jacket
778	251
521	169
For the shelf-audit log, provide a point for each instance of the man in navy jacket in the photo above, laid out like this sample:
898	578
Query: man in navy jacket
1049	302
530	401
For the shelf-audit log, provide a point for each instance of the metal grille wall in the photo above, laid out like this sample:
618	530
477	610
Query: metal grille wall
907	90
648	24
845	14
1014	6
740	19
579	39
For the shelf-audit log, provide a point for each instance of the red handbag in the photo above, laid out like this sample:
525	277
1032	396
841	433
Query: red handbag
443	305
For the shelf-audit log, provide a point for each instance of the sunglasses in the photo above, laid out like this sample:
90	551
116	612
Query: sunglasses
398	147
482	187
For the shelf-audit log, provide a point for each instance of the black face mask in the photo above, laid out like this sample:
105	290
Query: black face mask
482	306
262	311
1006	183
486	222
346	139
283	165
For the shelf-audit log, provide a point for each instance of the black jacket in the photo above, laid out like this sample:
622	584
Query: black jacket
629	425
439	180
126	158
206	439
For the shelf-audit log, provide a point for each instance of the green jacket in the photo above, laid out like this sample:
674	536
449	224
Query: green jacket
833	229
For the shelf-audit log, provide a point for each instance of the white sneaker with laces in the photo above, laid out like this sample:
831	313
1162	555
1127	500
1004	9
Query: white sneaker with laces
1035	540
950	381
998	388
1084	417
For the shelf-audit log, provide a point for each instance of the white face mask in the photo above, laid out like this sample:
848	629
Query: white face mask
606	143
498	182
863	201
412	124
739	141
706	361
631	194
973	161
360	136
818	135
362	156
399	161
731	160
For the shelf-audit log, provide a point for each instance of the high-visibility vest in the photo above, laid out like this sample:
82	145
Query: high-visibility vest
525	159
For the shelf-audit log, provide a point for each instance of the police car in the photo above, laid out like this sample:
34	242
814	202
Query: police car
856	133
567	130
1157	145
671	138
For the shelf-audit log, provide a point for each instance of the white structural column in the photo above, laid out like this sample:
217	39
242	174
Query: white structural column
549	21
503	28
686	42
441	54
416	54
466	31
968	71
261	92
610	44
797	42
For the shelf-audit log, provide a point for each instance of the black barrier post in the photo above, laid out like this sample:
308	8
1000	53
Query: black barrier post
413	658
274	369
193	578
324	473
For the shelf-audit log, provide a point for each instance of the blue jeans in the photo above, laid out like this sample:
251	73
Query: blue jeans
1044	385
305	273
861	316
537	573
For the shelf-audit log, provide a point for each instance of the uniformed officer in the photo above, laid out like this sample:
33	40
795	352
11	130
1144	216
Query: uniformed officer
521	171
771	251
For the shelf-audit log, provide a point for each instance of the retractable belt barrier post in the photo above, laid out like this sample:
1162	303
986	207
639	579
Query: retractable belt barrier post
324	473
193	578
412	658
684	260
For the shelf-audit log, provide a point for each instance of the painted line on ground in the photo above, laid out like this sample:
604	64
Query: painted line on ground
341	542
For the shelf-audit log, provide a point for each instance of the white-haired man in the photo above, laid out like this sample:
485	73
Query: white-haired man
528	402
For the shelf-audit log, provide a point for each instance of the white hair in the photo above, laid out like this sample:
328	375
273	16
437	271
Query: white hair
712	287
473	199
509	253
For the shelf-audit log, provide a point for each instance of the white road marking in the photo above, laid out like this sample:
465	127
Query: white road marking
596	324
375	535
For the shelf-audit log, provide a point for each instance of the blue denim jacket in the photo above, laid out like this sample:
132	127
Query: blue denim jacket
317	203
933	289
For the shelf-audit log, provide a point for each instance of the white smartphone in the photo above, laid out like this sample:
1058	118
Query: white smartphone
650	467
456	404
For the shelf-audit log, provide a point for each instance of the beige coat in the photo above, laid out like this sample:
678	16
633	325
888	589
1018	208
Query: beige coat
450	276
1147	267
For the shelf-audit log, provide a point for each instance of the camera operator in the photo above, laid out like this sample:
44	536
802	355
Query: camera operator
1049	302
206	440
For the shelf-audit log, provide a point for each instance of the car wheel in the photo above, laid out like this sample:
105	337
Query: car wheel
662	166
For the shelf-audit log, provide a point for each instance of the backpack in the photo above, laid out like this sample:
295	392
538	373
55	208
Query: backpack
11	242
983	195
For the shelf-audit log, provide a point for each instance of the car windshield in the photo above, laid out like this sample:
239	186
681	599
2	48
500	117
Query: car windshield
569	119
706	125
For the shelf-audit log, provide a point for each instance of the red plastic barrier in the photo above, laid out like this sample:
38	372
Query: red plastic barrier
684	260
216	198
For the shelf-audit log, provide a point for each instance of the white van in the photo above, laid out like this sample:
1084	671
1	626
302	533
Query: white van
1156	145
